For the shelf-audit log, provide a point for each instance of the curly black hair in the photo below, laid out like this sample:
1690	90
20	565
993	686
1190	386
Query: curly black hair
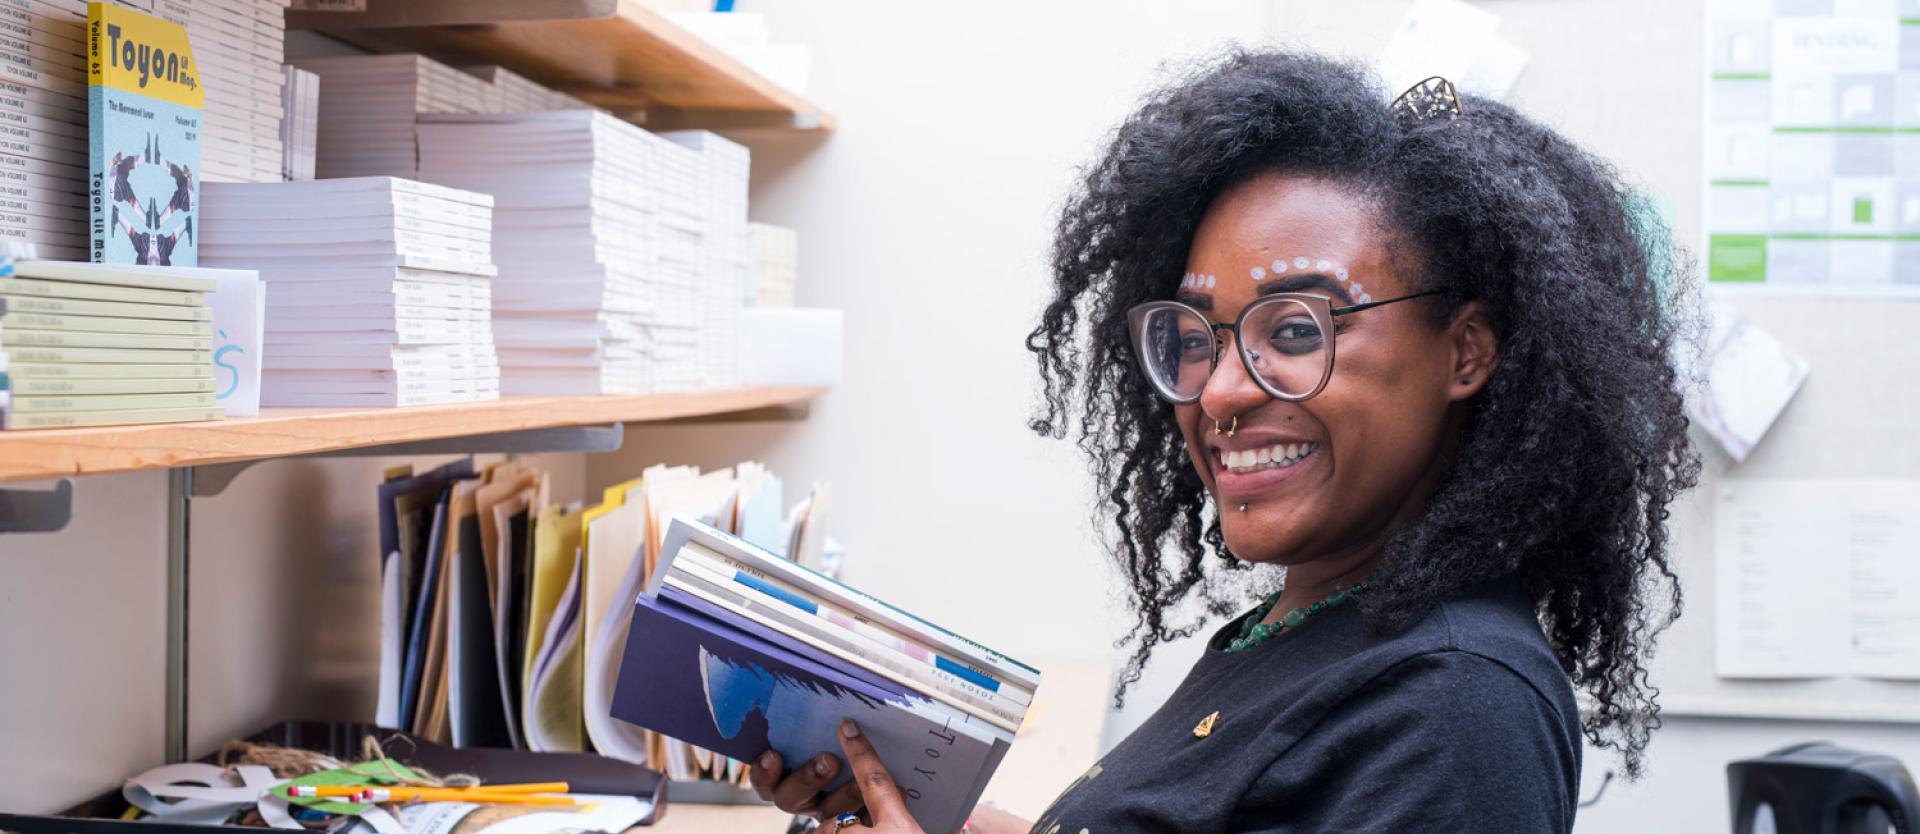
1572	452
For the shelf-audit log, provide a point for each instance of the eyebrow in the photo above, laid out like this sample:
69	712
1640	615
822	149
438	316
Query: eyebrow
1309	280
1198	301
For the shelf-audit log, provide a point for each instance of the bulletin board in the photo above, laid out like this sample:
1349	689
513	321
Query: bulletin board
1809	225
1856	419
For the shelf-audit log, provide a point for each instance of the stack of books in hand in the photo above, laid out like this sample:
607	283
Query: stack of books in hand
239	45
738	651
97	345
378	289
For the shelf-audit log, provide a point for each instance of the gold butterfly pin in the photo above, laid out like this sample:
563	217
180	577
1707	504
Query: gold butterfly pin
1205	727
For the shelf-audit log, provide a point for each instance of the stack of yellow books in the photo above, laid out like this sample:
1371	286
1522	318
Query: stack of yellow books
103	345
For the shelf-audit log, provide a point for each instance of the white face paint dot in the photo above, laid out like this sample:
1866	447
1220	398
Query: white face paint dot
1301	263
1279	266
1356	288
1324	266
1342	275
1210	280
1258	273
1365	299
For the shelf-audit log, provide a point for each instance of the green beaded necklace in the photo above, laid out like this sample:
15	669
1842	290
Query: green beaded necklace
1253	632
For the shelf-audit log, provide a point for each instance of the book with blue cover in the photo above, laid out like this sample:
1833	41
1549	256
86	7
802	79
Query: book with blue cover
707	676
144	104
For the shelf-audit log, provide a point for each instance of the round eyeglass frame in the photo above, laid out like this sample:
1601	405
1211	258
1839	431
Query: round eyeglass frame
1318	306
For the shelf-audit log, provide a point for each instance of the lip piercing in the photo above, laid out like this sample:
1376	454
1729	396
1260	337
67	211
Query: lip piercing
1231	427
1243	506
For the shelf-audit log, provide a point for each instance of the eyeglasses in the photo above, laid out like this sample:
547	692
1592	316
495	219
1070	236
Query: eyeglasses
1290	356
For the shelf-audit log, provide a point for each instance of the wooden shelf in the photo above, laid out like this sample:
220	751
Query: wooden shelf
280	432
614	53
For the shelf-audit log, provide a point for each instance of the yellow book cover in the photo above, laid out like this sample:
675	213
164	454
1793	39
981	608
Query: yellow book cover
144	104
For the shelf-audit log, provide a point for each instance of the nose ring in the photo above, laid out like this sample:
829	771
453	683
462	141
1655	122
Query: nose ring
1231	427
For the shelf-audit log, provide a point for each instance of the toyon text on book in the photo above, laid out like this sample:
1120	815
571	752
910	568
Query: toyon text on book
144	107
738	651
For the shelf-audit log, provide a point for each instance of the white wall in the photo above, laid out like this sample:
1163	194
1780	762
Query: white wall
927	217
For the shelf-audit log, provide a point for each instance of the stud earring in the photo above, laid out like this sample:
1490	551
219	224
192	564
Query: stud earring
1243	507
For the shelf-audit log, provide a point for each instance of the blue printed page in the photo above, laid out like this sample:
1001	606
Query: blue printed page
694	672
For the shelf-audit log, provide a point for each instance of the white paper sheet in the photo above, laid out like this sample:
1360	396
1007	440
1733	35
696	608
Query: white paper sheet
1818	578
239	326
1437	37
1750	378
387	705
1885	536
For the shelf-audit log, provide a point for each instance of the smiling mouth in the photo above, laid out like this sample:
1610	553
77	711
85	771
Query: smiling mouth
1277	456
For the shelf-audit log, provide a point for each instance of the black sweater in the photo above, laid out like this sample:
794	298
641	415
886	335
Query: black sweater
1463	722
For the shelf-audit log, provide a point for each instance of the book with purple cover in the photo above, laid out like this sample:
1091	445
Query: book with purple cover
701	674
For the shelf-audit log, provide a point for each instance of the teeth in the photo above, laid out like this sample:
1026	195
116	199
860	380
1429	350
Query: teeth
1279	455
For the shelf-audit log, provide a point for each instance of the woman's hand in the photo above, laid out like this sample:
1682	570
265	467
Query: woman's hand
885	807
871	787
800	791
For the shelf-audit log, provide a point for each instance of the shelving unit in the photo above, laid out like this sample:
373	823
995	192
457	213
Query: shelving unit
617	54
282	432
200	459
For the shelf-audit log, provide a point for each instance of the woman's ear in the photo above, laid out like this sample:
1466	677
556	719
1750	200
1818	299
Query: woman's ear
1475	350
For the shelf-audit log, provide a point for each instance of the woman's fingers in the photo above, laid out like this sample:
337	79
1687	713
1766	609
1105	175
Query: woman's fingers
883	800
764	773
800	792
843	800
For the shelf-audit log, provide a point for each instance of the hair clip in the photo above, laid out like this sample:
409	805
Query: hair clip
1434	97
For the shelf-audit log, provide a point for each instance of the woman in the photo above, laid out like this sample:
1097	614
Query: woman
1469	496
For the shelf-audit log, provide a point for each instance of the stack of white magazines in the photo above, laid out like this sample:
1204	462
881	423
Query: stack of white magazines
776	265
367	116
378	289
43	116
727	252
300	98
598	235
517	94
673	323
239	45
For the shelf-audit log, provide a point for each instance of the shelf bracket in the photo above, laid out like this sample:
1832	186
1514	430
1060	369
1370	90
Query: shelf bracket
213	479
37	510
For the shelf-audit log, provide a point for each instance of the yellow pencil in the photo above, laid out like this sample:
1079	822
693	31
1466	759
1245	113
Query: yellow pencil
398	794
302	791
